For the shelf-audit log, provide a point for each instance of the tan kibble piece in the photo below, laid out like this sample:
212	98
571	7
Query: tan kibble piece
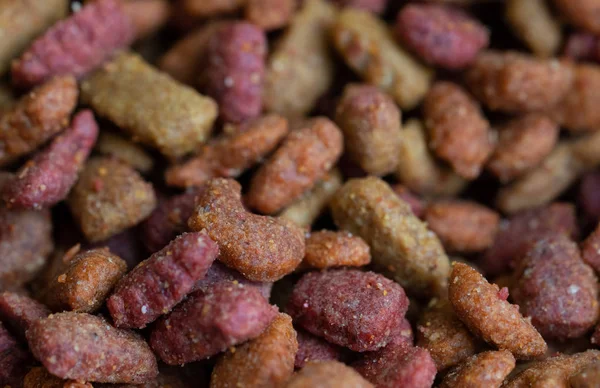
401	245
326	249
270	14
534	23
483	370
266	361
480	306
368	47
327	374
419	171
300	68
121	148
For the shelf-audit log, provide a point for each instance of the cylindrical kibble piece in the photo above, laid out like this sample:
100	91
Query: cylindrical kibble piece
109	197
486	369
159	283
262	248
370	122
400	243
327	374
305	156
326	249
151	106
211	321
81	346
235	68
348	307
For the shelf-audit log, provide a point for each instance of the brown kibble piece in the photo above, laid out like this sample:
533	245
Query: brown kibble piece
483	370
588	377
147	16
400	243
269	14
477	304
523	143
441	332
85	282
262	248
327	374
209	8
582	13
371	125
109	198
114	145
36	117
266	361
304	158
462	226
326	249
39	377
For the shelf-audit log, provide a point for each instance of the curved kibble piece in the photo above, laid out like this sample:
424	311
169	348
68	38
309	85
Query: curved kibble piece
314	349
398	366
554	371
110	197
556	289
86	281
81	346
262	248
400	243
235	70
441	35
479	305
159	283
218	273
348	307
266	361
458	131
76	45
303	158
211	321
229	156
483	370
370	121
46	179
588	377
36	117
20	311
514	82
445	337
326	249
39	377
327	374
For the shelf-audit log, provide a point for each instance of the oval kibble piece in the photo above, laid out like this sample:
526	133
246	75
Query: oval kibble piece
159	283
19	311
327	374
481	308
483	370
81	346
326	249
314	349
348	307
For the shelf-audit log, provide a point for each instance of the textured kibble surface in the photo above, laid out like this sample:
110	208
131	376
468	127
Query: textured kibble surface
314	349
327	374
486	369
19	311
325	249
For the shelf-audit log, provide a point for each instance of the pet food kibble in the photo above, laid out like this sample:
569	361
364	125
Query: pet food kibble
348	307
300	68
417	205
234	72
76	45
515	82
159	283
556	289
210	322
368	47
327	249
129	152
19	311
304	158
588	201
518	232
231	155
262	248
110	197
400	243
313	349
462	226
523	143
327	374
441	35
219	273
483	370
590	250
581	13
39	377
22	21
147	16
588	377
533	22
85	282
47	178
266	361
419	170
14	361
36	117
445	337
84	347
582	46
151	106
208	8
458	131
270	14
477	303
370	122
